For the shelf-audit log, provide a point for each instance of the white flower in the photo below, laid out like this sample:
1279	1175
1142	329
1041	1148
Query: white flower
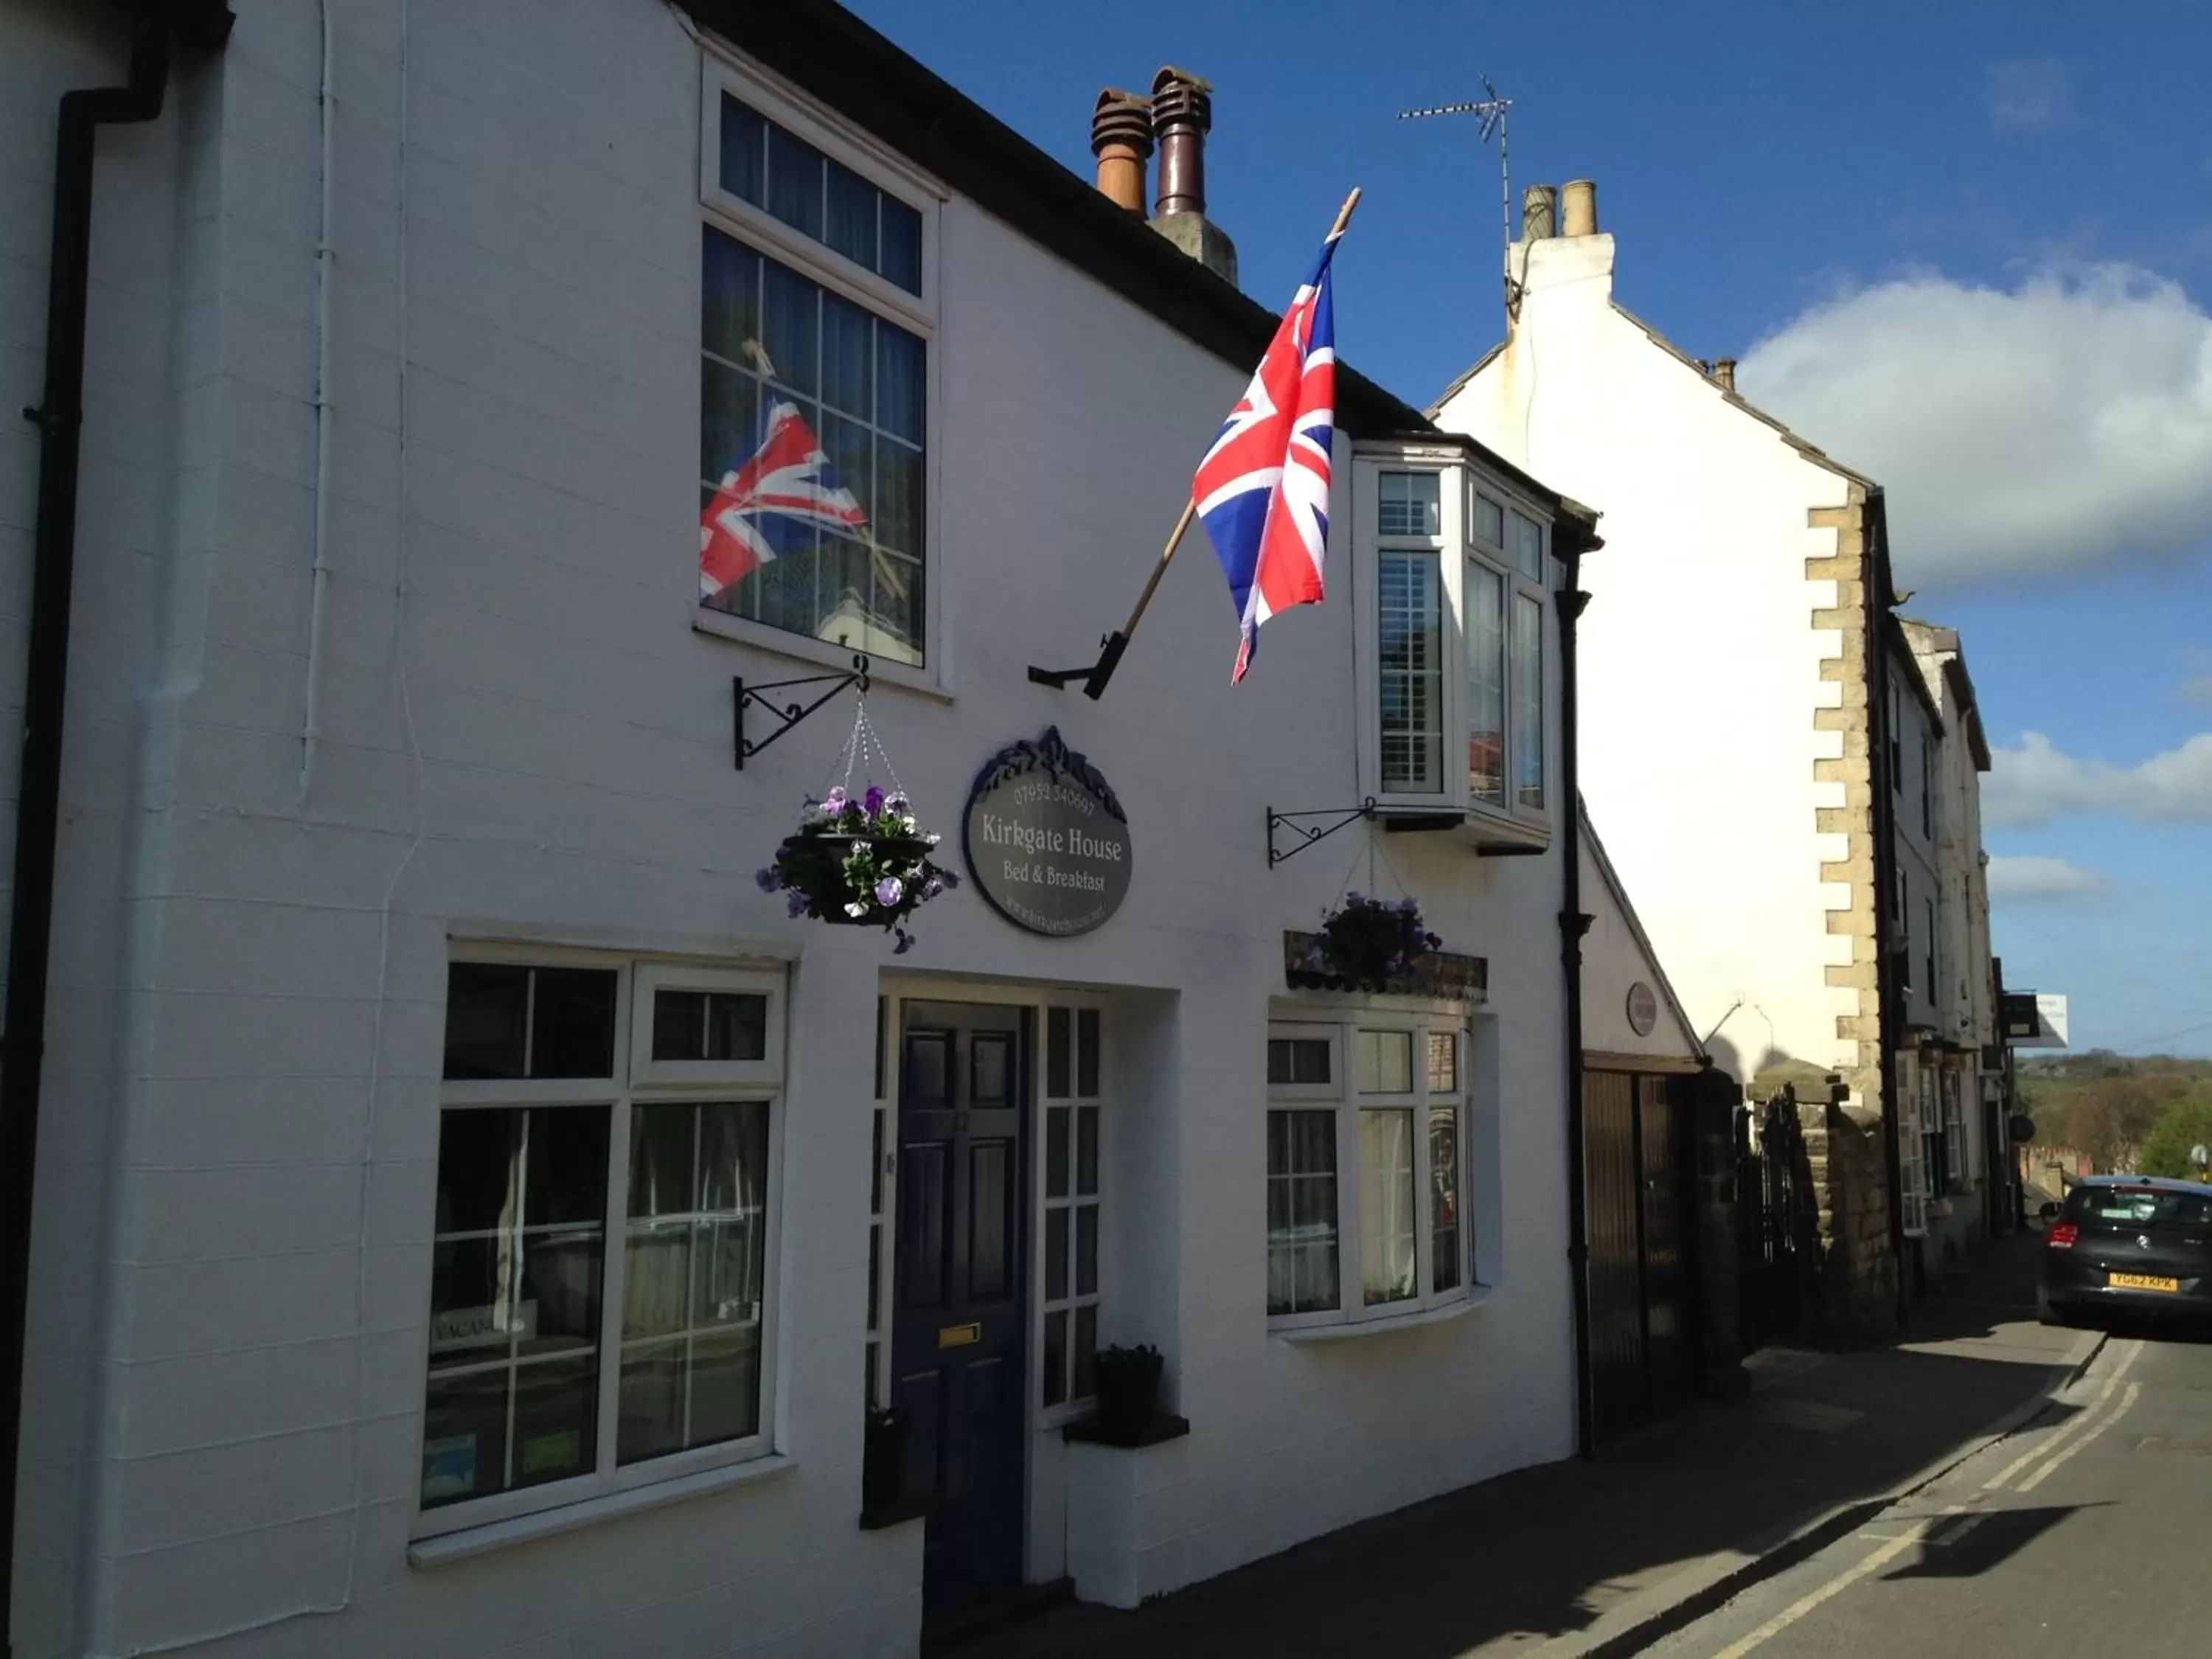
856	908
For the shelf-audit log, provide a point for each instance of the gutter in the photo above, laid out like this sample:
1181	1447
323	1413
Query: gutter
160	26
1573	924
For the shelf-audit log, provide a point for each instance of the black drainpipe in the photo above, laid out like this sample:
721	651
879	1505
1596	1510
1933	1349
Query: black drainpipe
59	417
1573	924
1880	741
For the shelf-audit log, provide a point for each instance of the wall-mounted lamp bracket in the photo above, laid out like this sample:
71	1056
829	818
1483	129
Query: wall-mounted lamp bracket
1307	833
787	715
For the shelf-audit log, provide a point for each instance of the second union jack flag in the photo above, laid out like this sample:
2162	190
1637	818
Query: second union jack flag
774	504
1263	487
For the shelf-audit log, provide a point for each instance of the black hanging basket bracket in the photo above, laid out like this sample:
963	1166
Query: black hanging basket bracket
1305	835
787	715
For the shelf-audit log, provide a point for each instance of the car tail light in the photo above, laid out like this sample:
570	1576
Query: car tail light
2062	1236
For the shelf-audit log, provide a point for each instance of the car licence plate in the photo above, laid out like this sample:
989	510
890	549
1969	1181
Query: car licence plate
2144	1282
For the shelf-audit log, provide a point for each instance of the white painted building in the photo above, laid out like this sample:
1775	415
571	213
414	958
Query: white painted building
470	1216
1725	703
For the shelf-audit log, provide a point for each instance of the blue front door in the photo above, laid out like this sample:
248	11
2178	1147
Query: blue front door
957	1337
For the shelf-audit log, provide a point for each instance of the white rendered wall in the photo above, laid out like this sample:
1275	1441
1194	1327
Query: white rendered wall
1700	669
524	737
1614	959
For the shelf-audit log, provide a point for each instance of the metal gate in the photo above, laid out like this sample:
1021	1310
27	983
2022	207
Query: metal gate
1775	1203
1639	1347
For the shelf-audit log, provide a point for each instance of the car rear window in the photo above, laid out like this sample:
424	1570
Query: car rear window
2136	1207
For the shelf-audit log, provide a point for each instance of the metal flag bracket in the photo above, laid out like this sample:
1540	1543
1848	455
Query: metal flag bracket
1306	835
787	715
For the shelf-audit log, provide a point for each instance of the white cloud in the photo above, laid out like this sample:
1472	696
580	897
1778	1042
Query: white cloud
2196	688
2037	782
2028	94
2040	878
2057	423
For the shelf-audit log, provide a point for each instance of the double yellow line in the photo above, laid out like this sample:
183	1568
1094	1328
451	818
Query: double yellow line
2070	1439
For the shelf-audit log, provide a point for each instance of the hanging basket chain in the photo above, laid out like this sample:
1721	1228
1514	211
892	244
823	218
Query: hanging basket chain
863	741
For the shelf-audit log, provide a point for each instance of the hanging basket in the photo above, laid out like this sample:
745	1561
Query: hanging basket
1366	944
858	862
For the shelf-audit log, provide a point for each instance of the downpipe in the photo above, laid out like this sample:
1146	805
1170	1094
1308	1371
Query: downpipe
59	418
1573	924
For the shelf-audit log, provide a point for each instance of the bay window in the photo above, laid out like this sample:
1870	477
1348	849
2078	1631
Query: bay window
1455	579
1366	1139
602	1258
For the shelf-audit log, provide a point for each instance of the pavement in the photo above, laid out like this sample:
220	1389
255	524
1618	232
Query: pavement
1614	1554
2085	1532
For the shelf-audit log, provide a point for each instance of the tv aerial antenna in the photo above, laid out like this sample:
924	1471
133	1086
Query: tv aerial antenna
1489	113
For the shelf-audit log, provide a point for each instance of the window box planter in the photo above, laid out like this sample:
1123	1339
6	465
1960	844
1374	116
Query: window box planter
1443	975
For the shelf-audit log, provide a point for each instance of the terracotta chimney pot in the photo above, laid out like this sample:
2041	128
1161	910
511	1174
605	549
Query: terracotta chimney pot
1121	139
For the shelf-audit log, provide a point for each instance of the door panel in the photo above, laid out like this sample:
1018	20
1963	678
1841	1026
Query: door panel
958	1341
1616	1323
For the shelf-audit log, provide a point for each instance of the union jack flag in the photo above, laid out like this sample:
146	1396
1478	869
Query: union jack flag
1263	487
773	504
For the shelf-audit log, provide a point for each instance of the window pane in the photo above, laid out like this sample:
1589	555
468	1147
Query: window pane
745	150
572	1022
1443	1198
1086	1348
852	219
487	1016
900	388
1443	1062
1302	1239
729	421
465	1436
1086	1151
795	182
736	1025
679	1024
1297	1061
1528	547
1528	700
1056	1224
1386	1206
479	1169
901	245
791	320
1086	1053
695	1268
1058	1061
1086	1250
1055	1357
556	1415
1411	658
730	290
875	1278
1408	504
1489	521
1386	1062
848	357
1486	683
1056	1152
565	1166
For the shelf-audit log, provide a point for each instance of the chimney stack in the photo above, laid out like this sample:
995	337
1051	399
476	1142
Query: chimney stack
1724	373
1182	115
1121	139
1579	208
1540	212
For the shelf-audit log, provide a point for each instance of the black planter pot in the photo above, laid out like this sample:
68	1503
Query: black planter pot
1128	1384
907	850
883	1462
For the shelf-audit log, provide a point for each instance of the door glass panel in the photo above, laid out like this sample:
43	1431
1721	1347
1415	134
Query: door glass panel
1086	1250
1055	1255
1086	1151
1058	1064
926	1072
1086	1053
992	1057
1056	1152
1055	1357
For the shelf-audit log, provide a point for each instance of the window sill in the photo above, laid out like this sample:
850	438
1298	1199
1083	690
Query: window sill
1350	1330
819	653
1161	1428
469	1541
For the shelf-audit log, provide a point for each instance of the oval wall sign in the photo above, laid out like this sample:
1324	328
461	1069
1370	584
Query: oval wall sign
1045	840
1643	1008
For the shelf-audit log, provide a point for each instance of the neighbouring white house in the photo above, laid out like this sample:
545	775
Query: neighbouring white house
1949	1070
471	1215
1729	701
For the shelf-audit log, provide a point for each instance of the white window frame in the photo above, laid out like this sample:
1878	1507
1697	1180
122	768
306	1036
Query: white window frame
1341	1095
736	1082
819	263
1455	546
1041	1304
652	977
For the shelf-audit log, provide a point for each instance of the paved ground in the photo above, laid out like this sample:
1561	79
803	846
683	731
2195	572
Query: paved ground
2089	1532
1599	1556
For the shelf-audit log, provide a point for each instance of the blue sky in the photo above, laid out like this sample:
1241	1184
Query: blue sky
1966	248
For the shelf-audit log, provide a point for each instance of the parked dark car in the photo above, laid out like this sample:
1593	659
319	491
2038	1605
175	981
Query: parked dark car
2128	1244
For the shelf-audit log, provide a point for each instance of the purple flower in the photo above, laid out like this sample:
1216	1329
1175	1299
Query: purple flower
932	887
1407	905
767	879
949	880
834	802
872	802
889	891
897	800
797	905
